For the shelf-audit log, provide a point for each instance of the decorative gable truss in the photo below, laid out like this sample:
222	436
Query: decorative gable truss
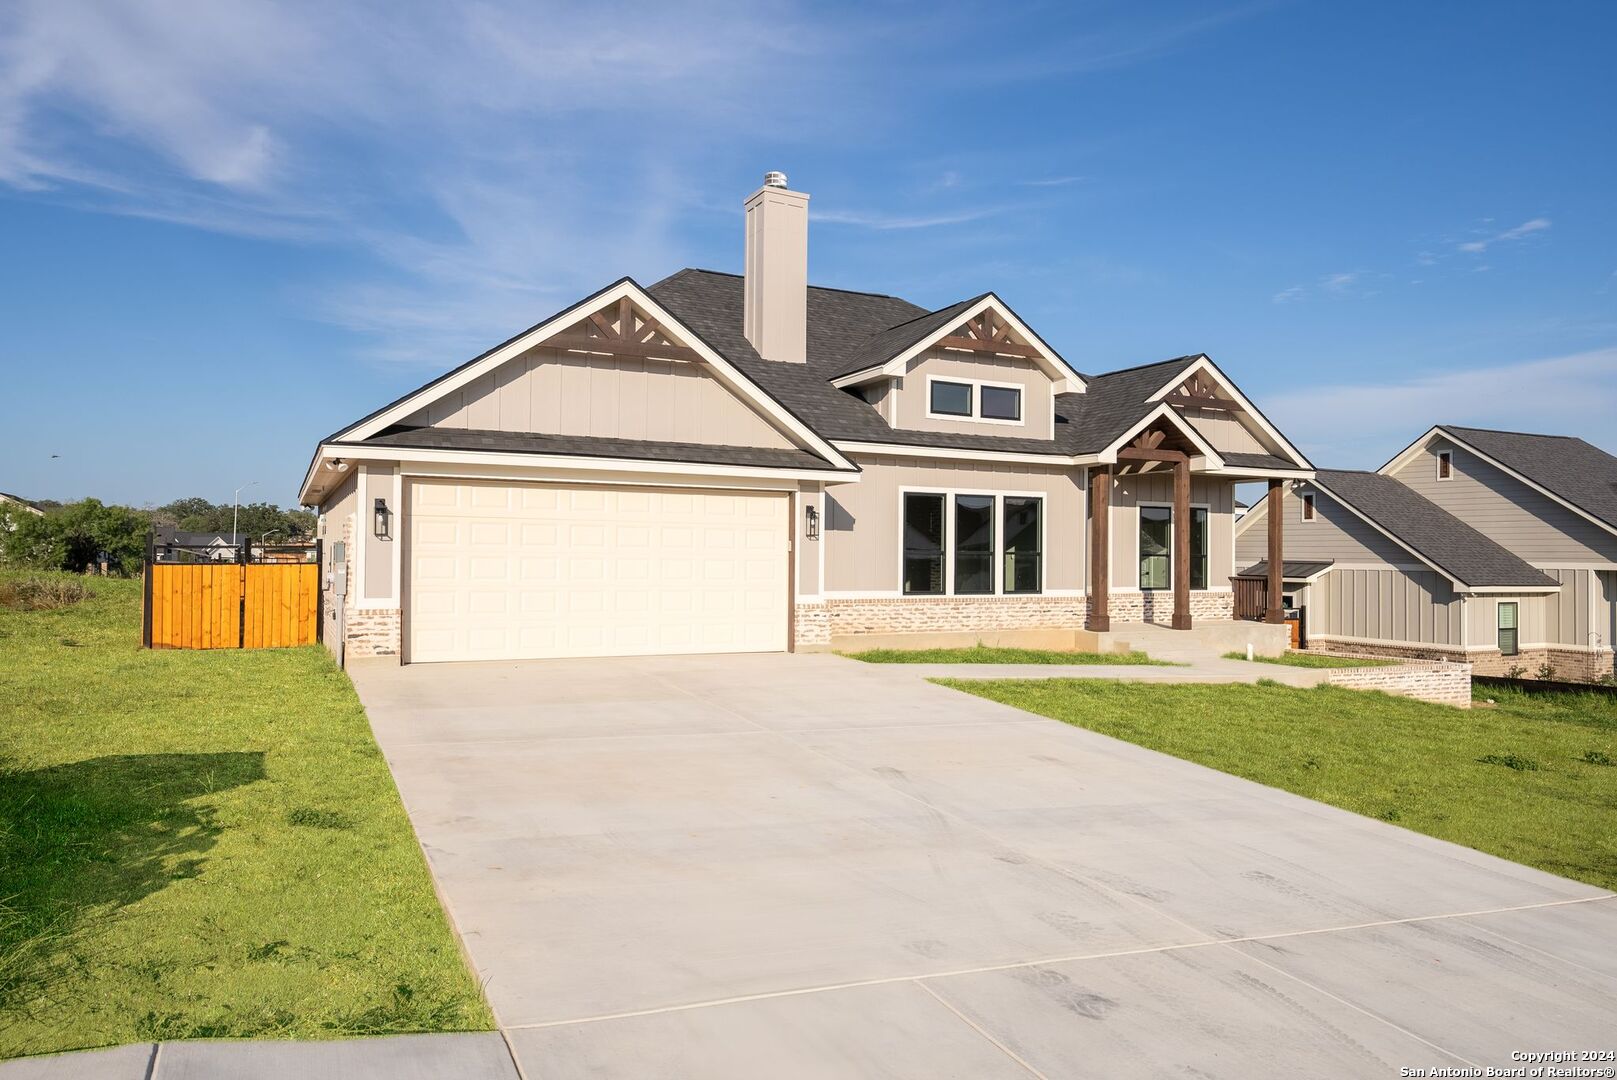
986	328
1205	398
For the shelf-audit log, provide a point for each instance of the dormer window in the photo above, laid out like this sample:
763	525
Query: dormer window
1445	464
950	398
973	399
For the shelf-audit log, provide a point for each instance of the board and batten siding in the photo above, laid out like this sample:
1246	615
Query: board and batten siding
863	532
1390	604
1336	533
552	392
1131	492
335	512
909	404
1224	431
1579	615
1513	514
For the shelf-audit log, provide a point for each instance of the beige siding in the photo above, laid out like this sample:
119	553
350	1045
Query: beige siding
379	553
1385	605
1129	493
559	393
1038	402
1530	524
1606	607
1335	533
862	533
806	551
1534	620
1224	431
337	510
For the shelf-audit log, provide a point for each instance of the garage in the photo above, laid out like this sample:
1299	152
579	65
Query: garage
500	571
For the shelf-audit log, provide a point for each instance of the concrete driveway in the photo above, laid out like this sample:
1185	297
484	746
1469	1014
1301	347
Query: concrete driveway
803	866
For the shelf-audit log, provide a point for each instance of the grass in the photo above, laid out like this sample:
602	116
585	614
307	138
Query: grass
1529	780
989	654
202	844
1312	660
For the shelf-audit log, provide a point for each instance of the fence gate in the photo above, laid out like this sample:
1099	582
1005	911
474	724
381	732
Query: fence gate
244	604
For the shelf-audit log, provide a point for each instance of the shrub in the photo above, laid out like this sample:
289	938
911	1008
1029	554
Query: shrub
1546	671
1515	671
42	593
1509	761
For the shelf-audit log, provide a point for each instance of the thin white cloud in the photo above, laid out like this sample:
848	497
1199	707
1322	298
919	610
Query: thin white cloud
1520	232
1362	424
1054	181
1338	284
878	220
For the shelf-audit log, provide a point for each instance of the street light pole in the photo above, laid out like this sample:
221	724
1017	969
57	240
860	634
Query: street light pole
235	509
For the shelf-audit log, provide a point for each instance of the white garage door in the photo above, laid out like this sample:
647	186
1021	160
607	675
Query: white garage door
524	571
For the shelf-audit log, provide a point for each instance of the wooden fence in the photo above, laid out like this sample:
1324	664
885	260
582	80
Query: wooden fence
232	605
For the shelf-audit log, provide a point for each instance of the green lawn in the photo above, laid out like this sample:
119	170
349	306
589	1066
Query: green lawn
202	844
988	654
1312	660
1530	780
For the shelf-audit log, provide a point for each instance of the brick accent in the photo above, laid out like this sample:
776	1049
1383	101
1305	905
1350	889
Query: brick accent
811	626
920	614
1571	665
1157	607
1436	681
373	631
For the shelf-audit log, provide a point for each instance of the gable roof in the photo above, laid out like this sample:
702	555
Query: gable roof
1434	535
1574	471
894	340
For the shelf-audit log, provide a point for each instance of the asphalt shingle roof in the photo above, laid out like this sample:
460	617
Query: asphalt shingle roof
1579	472
595	446
1429	530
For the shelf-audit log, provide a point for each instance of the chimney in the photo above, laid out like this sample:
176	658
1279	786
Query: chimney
775	289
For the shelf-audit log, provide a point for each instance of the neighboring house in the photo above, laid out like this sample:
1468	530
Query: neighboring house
173	545
1493	547
724	463
14	504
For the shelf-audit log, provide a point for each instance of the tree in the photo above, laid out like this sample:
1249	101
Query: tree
75	536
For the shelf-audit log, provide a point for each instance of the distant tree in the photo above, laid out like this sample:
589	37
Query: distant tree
179	510
252	520
74	536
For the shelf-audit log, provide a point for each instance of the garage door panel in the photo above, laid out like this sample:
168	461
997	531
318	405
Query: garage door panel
507	572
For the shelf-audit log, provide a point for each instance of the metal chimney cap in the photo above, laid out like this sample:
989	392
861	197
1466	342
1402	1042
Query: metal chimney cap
774	179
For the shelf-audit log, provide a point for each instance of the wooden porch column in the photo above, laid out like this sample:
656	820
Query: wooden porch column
1181	544
1277	513
1099	617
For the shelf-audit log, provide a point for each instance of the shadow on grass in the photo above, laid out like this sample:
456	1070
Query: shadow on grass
93	837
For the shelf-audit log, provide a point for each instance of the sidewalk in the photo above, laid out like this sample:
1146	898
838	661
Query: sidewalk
469	1056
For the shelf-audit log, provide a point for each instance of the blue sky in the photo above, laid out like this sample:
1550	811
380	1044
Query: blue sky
232	227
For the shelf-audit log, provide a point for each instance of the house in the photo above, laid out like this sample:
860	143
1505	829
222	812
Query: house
729	463
1497	548
14	503
170	544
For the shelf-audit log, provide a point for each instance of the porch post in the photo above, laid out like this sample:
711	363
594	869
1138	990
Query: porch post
1181	544
1098	617
1276	513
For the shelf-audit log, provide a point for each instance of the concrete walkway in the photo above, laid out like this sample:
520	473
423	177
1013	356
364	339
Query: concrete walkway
482	1056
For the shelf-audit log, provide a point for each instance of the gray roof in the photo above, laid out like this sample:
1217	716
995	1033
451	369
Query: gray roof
593	446
1579	472
1255	461
1430	531
890	342
1290	570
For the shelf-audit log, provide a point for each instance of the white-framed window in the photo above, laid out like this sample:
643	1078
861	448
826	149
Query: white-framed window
1308	505
977	400
1156	547
1508	628
970	543
1445	464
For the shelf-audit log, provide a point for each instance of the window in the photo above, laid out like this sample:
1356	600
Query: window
1156	547
973	544
1308	506
950	398
1001	403
1507	628
1023	544
1445	464
1156	544
923	544
1198	547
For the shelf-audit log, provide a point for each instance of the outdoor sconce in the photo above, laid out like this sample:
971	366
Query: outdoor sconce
811	523
383	520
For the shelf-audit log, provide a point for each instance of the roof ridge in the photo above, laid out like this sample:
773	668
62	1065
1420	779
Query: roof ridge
1142	367
1508	431
821	288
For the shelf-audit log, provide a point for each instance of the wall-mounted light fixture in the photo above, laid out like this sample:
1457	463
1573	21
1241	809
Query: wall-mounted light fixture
811	523
383	520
